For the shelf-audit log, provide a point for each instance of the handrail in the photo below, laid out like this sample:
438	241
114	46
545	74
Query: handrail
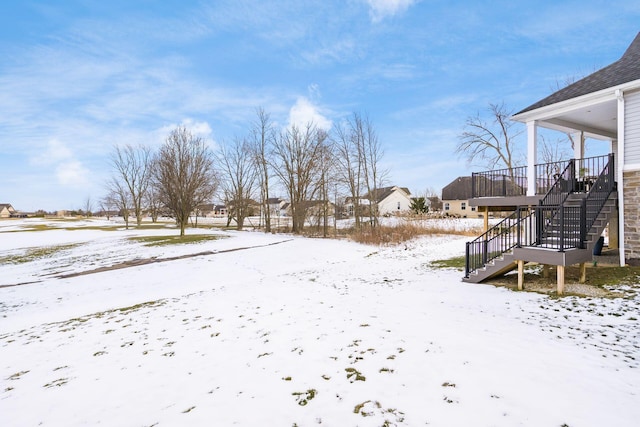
597	196
553	223
501	238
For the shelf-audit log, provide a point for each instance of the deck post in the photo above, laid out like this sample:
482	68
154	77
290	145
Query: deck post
560	275
520	274
583	272
486	219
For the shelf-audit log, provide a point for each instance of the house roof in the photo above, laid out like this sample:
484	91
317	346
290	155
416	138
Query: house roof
382	193
624	70
458	189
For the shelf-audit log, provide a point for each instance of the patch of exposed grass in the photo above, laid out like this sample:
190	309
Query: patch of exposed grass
17	375
49	226
606	279
457	263
304	397
354	375
34	254
57	383
173	240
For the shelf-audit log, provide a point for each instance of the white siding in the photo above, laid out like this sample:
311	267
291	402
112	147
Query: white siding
632	129
391	203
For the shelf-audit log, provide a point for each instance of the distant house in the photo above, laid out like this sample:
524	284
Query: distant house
276	206
435	204
390	200
250	206
204	210
455	198
219	211
7	211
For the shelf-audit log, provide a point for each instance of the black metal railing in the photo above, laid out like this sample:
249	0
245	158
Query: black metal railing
557	227
547	174
499	183
553	223
510	232
513	182
599	192
561	187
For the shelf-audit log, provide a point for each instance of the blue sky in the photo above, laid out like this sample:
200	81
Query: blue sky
78	77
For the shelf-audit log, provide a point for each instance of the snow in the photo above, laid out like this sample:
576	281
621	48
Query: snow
296	331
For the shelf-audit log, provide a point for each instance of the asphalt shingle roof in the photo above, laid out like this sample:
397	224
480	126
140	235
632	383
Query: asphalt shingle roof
624	70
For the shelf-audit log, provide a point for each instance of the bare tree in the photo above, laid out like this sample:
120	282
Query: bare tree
490	143
349	167
107	204
358	158
88	206
262	137
296	156
237	178
133	170
371	154
184	174
153	202
326	179
118	195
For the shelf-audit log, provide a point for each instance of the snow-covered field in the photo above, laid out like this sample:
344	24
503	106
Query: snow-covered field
292	331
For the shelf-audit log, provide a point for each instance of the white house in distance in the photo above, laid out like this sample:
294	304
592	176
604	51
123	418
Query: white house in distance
390	200
6	210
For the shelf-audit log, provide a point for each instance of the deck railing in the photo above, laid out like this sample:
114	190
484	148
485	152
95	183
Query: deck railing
499	183
513	182
553	223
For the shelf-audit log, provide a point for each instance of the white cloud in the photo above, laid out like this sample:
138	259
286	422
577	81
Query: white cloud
56	156
54	152
380	9
72	174
201	129
304	112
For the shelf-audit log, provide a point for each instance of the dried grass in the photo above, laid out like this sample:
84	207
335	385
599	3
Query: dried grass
399	233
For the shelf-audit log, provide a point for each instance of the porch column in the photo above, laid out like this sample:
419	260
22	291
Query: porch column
620	177
578	145
577	138
613	222
532	156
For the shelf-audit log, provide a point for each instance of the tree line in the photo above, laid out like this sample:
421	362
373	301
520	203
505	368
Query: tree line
307	163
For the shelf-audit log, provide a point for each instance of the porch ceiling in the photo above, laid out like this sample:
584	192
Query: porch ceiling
596	120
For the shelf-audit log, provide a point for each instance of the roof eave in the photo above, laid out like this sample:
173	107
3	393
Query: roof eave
559	108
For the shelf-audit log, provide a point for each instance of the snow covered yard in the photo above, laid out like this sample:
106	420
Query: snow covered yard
291	331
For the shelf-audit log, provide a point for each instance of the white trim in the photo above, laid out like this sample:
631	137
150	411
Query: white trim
631	168
621	138
559	108
532	156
